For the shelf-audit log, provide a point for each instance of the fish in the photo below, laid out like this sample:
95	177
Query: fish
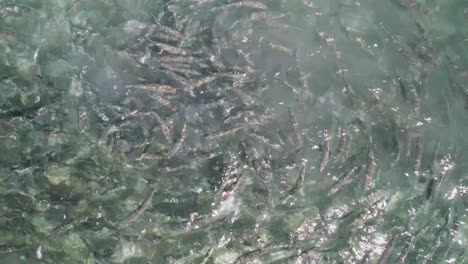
294	90
299	140
146	156
189	61
341	143
246	99
343	180
371	168
164	102
179	144
206	81
415	101
171	49
160	32
325	153
388	248
281	48
242	115
139	211
224	133
403	89
183	69
251	4
430	188
272	21
299	185
265	141
417	154
207	258
164	128
183	82
158	88
247	57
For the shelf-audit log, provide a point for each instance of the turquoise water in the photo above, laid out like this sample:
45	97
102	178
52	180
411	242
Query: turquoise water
203	131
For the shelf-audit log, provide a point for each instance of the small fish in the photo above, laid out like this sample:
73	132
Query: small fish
388	248
415	102
229	182
299	185
185	70
418	154
341	143
179	144
294	90
172	32
200	157
190	61
239	116
403	89
325	153
146	156
251	4
207	258
265	141
299	140
164	128
371	167
233	25
183	82
162	89
229	132
281	48
430	188
272	21
171	49
164	102
139	211
206	81
345	179
163	33
247	57
365	258
243	96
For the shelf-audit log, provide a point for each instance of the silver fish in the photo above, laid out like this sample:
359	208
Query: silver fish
158	88
183	69
190	61
418	154
371	168
341	143
164	102
251	4
299	140
281	48
346	178
243	96
325	153
179	144
299	185
388	248
206	81
171	49
139	211
224	133
185	83
164	33
415	102
164	128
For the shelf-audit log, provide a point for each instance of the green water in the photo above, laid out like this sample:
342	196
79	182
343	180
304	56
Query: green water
204	131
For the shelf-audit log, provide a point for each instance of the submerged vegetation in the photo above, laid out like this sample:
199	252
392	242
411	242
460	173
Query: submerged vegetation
205	131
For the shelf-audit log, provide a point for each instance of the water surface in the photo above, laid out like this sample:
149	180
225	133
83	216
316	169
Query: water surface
211	131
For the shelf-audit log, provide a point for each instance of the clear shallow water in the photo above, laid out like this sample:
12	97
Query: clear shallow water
233	131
